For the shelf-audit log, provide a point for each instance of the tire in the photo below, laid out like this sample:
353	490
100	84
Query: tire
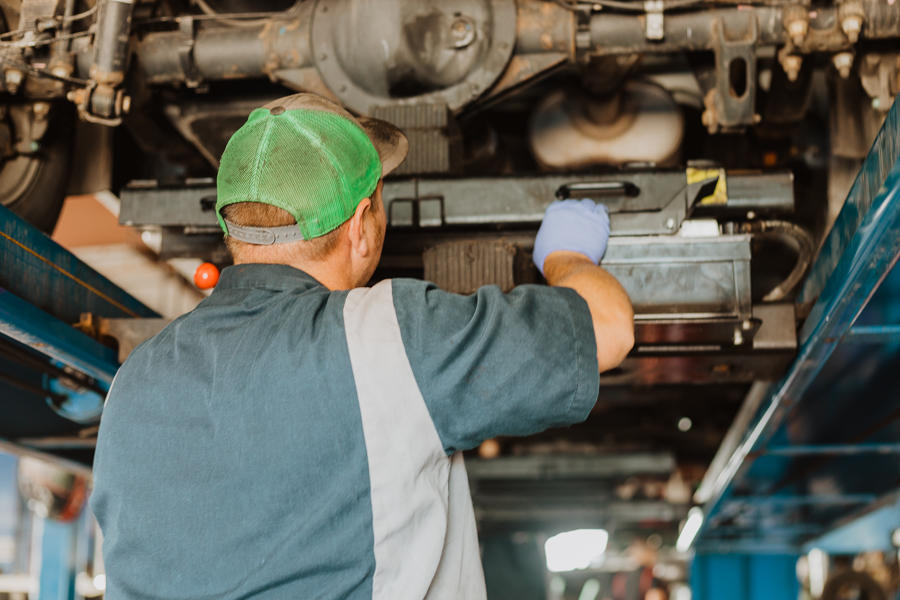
34	186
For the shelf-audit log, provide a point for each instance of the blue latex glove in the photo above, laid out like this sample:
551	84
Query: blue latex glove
575	225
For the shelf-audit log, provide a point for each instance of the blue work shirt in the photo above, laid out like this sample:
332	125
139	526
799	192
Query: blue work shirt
285	441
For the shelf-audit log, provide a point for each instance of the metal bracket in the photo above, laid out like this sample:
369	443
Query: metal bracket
192	78
654	25
732	103
700	185
432	216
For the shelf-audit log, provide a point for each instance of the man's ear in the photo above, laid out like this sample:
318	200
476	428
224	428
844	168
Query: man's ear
357	231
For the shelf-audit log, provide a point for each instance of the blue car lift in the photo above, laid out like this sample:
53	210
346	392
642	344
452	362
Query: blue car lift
53	377
819	465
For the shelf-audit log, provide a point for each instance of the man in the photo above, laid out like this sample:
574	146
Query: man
299	436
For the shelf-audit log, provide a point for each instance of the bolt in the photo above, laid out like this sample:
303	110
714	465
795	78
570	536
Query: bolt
738	337
751	215
791	65
850	16
13	79
126	104
670	224
797	29
40	110
77	97
843	62
852	25
462	31
747	325
61	70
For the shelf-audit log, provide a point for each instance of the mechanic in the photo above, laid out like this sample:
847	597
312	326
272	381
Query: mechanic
298	435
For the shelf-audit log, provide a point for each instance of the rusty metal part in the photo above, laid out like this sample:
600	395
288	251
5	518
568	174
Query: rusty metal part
12	78
843	62
791	63
851	17
732	103
199	51
544	27
109	102
522	70
304	53
101	100
463	266
435	142
111	46
692	31
880	77
61	60
796	22
414	58
128	334
642	123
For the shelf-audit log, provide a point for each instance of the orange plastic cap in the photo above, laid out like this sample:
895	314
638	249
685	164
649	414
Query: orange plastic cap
206	276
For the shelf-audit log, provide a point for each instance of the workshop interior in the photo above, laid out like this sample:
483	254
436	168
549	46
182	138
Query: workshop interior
748	153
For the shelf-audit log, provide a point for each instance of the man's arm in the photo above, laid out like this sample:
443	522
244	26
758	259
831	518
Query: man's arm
610	307
569	245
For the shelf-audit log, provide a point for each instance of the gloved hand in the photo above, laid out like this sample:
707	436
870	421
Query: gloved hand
575	225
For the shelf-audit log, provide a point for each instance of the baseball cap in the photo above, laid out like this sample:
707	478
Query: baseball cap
308	156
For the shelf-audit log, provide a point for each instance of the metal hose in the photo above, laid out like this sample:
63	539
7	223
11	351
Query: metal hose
791	234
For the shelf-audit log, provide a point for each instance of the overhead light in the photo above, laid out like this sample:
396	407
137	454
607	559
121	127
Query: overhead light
690	529
685	424
817	562
578	549
100	582
152	238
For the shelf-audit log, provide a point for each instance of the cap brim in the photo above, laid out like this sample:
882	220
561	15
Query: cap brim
389	141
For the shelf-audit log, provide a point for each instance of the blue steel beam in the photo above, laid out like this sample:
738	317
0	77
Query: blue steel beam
812	449
44	289
43	273
859	252
813	500
870	529
872	333
48	335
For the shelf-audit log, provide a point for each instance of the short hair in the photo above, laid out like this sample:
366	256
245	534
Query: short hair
257	214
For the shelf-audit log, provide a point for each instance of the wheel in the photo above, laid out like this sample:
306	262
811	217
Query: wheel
33	185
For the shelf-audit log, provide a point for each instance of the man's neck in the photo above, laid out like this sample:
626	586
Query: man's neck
330	272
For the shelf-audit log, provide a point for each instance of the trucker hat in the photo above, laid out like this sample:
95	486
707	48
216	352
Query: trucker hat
308	156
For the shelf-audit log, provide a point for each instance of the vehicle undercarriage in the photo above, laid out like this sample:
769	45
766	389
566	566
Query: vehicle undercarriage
722	136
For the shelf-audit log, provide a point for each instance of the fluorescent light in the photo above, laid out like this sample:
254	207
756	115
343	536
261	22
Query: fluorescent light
689	531
590	590
578	549
817	562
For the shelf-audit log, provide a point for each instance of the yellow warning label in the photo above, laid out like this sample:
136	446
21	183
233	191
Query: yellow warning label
720	192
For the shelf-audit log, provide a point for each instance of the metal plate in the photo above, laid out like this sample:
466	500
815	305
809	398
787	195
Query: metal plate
333	17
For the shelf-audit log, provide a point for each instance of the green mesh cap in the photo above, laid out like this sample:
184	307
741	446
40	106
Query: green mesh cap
309	157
